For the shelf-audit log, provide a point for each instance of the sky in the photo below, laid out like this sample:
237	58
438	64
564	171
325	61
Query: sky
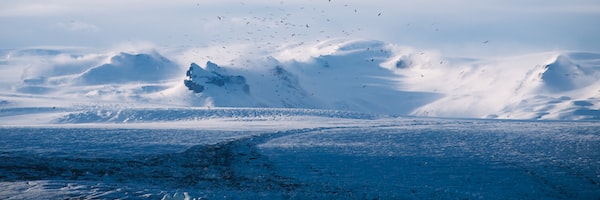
450	26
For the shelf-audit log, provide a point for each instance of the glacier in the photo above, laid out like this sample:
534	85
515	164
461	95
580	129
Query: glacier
304	157
300	99
336	119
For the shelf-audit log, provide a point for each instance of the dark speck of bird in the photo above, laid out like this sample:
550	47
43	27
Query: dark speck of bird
379	14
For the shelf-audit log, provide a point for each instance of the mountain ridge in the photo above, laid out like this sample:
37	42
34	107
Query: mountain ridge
357	75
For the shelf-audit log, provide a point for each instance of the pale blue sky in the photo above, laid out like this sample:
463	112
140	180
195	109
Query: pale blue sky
454	26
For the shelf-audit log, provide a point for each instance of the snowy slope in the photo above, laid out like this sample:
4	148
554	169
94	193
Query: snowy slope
306	121
349	78
371	76
351	75
72	77
539	86
125	68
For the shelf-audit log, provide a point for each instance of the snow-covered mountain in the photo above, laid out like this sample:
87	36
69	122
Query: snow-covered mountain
349	78
126	68
351	75
304	121
538	86
371	76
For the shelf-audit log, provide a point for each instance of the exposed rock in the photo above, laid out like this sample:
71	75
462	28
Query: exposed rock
198	79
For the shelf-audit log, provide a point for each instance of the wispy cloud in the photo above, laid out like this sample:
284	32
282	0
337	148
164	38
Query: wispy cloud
77	26
426	23
31	9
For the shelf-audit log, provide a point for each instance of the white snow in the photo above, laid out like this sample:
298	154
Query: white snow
356	119
81	124
307	99
119	151
338	74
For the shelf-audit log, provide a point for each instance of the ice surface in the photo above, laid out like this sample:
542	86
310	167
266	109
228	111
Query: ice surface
386	158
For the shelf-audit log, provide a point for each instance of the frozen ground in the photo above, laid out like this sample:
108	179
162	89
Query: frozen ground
302	156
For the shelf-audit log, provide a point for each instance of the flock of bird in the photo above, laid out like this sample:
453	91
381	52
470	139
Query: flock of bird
282	23
267	27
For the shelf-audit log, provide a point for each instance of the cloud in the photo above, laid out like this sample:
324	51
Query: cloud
44	8
31	9
425	24
77	26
